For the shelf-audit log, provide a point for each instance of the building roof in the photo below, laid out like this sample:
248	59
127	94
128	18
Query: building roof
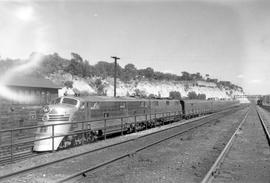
23	81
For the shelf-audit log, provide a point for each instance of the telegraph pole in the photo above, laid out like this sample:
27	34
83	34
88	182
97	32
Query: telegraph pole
115	64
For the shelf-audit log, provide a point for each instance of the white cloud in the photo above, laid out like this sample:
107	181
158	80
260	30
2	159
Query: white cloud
255	81
240	76
25	13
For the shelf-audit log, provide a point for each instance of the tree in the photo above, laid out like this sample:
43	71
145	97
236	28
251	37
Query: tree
175	95
201	96
76	66
100	87
159	75
192	95
186	76
69	84
198	76
140	93
105	69
53	63
149	73
129	72
151	96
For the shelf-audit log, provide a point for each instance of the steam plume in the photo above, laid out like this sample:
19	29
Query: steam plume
9	94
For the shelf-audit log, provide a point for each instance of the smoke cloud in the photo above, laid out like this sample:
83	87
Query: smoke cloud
9	94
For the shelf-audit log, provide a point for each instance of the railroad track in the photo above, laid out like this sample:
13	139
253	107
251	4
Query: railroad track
133	152
19	153
265	129
188	125
214	170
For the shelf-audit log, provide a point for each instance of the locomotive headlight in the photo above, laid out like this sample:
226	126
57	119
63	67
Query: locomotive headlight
46	109
45	117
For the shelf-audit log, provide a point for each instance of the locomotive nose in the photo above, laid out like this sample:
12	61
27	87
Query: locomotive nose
45	109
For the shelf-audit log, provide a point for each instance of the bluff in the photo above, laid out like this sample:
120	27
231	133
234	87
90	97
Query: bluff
144	87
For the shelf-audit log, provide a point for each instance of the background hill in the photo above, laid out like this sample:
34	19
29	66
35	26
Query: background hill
76	74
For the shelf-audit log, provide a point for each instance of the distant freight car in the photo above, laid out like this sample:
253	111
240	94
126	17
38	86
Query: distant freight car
265	102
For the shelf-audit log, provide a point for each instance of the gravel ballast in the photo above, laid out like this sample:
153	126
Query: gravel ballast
249	157
185	158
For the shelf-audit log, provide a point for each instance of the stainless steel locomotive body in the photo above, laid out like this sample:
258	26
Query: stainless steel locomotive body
71	121
74	120
193	108
50	119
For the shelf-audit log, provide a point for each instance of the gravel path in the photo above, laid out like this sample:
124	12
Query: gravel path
183	159
248	160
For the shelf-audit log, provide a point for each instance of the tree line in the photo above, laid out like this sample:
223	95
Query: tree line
77	66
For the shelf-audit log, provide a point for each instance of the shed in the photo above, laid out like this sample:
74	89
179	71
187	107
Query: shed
40	89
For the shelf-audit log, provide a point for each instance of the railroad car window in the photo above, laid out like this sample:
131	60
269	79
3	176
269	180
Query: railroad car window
69	101
142	104
168	102
106	114
122	105
155	103
95	105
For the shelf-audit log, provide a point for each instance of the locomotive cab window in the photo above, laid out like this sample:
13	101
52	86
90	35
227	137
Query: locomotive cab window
82	106
56	101
69	101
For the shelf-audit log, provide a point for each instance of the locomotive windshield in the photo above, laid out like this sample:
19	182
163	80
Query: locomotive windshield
56	101
69	101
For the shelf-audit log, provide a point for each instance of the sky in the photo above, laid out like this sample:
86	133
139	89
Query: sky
227	39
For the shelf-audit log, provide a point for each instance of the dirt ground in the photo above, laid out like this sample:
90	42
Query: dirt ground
185	158
248	160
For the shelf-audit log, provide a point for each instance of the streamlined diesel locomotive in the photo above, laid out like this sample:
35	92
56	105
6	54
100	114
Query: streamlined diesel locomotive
71	121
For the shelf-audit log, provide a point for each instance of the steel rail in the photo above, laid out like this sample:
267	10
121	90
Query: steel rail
212	171
111	145
83	172
264	127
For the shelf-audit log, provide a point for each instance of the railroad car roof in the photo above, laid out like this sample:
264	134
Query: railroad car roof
26	81
207	101
106	98
197	101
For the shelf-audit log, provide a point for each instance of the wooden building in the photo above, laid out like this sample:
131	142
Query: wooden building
14	113
34	91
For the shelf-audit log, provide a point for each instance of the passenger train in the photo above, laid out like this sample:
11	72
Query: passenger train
71	121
